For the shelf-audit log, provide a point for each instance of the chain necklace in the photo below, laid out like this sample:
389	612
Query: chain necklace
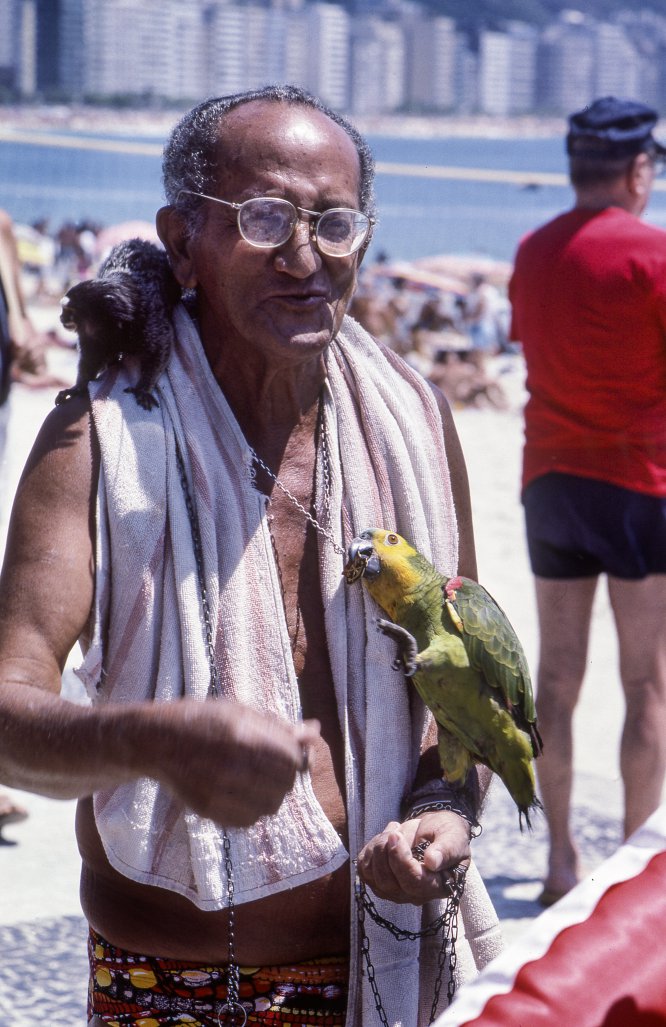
322	434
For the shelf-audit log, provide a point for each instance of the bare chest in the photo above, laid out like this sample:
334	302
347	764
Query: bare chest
295	543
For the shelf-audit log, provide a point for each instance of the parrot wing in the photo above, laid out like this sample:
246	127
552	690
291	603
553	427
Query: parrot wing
493	649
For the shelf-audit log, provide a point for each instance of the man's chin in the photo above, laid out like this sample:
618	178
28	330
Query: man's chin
306	337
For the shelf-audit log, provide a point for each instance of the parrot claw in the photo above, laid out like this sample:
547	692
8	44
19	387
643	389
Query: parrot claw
400	663
407	660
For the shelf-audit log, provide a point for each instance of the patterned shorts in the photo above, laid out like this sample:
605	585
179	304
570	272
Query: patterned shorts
130	990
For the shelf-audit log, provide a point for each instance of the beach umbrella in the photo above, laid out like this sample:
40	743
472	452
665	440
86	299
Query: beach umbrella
421	277
463	266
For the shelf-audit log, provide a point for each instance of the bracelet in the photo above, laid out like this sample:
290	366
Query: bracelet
438	795
446	807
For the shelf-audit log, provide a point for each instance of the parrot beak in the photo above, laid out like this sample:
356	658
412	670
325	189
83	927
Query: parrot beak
361	561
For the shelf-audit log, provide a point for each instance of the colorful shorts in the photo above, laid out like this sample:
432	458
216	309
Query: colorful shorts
130	990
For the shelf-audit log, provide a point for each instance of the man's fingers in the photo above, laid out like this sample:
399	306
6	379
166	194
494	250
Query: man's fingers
390	869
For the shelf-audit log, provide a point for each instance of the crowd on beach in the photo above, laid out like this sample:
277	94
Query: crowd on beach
447	323
448	327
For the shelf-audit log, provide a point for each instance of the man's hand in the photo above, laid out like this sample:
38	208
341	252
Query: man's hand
389	867
227	761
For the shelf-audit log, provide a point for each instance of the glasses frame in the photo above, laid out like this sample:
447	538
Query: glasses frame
313	218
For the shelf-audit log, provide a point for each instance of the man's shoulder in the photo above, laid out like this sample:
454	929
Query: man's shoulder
550	230
589	229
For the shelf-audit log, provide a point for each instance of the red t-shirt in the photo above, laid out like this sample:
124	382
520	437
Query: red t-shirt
588	295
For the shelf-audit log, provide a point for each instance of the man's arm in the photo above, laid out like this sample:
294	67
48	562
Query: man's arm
63	750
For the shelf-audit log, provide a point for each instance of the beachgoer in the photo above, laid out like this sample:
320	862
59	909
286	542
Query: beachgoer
23	346
196	550
589	307
480	313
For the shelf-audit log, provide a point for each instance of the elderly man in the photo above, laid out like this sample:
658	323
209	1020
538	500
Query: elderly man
589	306
249	735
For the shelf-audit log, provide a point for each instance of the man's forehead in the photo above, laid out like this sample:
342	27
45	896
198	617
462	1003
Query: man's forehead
276	126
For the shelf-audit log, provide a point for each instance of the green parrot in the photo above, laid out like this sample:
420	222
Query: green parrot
464	658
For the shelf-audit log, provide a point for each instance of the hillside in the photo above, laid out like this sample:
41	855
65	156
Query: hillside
472	16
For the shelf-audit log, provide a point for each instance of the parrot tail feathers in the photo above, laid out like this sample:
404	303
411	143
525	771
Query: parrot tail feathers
525	811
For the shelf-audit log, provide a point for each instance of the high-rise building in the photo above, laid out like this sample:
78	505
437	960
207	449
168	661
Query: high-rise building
433	45
186	66
10	48
616	63
467	77
225	47
507	70
24	35
326	56
70	44
377	66
566	65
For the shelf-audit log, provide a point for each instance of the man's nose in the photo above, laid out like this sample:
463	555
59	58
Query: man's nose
300	256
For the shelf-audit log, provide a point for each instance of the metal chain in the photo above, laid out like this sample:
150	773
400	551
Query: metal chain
365	951
325	532
326	466
198	557
447	923
232	1006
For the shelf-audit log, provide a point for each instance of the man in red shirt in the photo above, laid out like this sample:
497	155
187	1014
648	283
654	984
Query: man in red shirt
589	305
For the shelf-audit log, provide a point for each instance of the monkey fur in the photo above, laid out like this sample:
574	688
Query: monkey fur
125	311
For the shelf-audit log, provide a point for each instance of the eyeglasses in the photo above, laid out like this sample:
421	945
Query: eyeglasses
269	222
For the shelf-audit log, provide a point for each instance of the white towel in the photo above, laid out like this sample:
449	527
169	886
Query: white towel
387	468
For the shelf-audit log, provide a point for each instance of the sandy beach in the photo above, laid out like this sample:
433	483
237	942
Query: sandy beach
158	122
40	917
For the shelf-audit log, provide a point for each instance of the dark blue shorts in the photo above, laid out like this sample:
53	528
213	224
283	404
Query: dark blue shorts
579	528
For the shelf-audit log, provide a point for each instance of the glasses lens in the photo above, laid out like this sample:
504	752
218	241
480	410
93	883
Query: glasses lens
340	232
266	221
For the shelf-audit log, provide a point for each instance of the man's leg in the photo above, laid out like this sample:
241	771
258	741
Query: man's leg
639	608
564	608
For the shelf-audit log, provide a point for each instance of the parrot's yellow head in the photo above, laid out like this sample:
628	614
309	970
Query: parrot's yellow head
390	567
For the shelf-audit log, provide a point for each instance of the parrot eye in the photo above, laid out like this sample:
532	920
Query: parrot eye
392	539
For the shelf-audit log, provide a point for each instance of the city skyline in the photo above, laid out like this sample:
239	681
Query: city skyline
390	57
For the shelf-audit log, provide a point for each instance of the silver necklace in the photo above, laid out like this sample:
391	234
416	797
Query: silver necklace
326	472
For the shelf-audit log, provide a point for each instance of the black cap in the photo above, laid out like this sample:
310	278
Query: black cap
612	128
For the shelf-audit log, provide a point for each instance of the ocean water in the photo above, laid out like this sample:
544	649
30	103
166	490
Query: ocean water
418	216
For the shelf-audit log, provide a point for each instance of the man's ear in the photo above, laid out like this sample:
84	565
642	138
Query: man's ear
177	242
640	177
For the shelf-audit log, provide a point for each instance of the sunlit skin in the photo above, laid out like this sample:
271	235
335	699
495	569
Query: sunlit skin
266	318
